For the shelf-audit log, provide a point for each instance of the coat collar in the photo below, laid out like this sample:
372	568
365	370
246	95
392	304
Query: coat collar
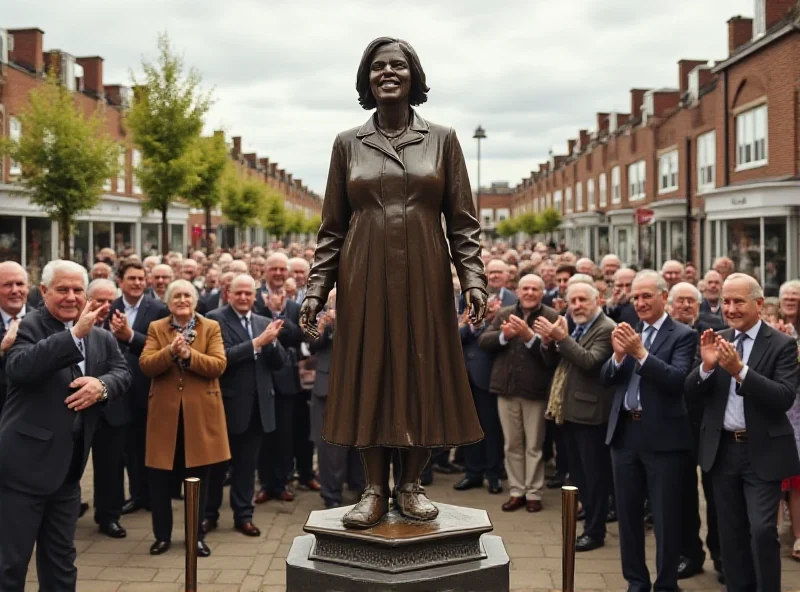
370	136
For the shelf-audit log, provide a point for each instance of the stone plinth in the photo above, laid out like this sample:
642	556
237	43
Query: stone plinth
452	552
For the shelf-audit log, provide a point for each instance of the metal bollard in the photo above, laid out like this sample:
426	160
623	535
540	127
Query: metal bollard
569	519
191	505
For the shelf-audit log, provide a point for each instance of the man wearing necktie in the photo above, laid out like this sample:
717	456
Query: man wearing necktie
61	370
747	381
13	296
649	431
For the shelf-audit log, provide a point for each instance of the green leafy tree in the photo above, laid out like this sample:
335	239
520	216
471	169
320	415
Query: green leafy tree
508	227
296	222
549	220
312	225
242	200
166	120
65	158
274	217
210	157
528	223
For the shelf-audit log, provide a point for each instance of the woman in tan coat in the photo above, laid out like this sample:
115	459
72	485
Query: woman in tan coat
186	432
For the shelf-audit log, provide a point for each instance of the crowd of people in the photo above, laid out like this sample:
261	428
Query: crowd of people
623	381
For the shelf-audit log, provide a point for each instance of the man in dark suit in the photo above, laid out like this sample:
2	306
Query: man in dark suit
254	354
13	307
711	306
485	458
580	403
619	308
61	370
747	380
124	424
683	304
278	447
648	430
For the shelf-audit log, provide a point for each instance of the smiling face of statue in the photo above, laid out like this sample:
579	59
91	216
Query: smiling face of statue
390	75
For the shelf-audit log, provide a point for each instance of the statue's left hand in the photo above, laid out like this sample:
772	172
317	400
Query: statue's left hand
476	304
309	310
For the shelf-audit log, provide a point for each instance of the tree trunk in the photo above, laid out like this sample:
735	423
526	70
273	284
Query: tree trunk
164	232
208	232
64	228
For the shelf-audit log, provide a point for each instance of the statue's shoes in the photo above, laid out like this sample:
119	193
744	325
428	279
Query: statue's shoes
373	506
414	504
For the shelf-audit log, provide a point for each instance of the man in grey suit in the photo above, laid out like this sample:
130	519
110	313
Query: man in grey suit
747	381
580	402
254	354
61	371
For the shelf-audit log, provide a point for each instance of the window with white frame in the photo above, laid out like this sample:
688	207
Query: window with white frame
590	194
636	181
616	186
668	172
751	138
487	216
121	169
136	161
760	21
579	197
706	161
15	135
602	191
568	193
503	214
557	201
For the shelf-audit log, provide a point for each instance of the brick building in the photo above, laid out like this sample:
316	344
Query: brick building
707	168
26	233
494	203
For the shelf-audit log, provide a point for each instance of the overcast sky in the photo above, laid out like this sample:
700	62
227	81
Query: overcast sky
532	72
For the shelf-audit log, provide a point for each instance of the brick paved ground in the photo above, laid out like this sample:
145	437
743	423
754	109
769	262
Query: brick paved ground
239	563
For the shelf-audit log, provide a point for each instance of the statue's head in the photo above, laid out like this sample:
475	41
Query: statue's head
390	72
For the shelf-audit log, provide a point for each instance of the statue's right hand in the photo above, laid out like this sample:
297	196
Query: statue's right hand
309	310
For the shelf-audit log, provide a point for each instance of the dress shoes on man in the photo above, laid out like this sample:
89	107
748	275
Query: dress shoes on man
587	543
312	485
611	516
208	525
83	510
371	508
130	506
264	496
113	529
426	479
445	468
533	505
414	504
248	529
202	549
160	547
514	503
495	486
467	483
688	568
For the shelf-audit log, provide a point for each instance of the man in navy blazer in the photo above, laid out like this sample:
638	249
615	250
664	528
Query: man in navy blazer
126	421
649	431
254	354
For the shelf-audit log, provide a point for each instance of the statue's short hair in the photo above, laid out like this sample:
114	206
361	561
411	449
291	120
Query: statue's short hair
419	87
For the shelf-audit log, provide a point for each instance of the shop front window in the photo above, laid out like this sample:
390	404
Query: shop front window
38	245
603	245
775	248
123	237
227	235
176	238
647	244
623	244
663	243
11	238
102	236
151	234
677	236
80	243
744	245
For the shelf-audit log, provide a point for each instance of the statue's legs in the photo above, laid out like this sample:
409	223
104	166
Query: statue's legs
374	503
411	499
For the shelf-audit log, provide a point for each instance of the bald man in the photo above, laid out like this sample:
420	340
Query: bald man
299	270
13	298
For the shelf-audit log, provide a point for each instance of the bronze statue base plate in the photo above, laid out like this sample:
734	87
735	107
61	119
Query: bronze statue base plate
452	552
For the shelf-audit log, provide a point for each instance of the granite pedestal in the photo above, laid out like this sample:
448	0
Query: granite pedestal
453	552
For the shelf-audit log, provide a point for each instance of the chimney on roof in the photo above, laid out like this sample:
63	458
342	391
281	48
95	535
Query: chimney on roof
264	164
250	157
571	147
273	169
28	52
684	67
282	174
298	184
92	74
584	138
740	31
237	147
775	11
637	98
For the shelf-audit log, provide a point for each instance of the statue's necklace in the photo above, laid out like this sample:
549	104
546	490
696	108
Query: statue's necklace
392	136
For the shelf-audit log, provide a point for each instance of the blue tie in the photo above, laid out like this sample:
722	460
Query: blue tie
578	332
632	396
247	326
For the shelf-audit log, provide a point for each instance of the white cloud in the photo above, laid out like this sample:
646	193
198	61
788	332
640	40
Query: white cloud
532	72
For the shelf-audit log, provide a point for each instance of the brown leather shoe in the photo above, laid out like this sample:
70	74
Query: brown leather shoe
286	496
262	497
513	503
208	525
533	505
248	529
414	504
373	506
313	485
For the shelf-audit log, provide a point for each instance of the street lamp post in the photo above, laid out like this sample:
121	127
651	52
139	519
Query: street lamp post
480	134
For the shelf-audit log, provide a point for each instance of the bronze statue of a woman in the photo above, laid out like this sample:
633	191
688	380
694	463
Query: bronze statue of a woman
397	377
